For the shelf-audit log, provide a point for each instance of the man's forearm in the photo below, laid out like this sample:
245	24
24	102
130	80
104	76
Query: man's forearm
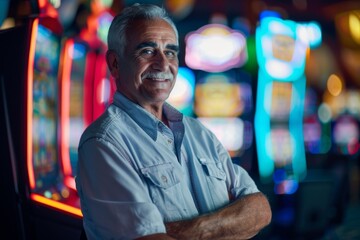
242	219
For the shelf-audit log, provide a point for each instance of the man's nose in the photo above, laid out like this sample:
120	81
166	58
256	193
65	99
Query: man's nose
161	62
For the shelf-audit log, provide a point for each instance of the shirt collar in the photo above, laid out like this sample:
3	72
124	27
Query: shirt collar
143	118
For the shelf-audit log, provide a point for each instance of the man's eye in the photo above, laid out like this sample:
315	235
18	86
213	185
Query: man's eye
170	54
147	52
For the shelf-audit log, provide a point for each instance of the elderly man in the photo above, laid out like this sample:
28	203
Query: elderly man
145	171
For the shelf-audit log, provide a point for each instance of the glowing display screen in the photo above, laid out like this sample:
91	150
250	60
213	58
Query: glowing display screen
76	114
45	109
218	95
281	48
229	131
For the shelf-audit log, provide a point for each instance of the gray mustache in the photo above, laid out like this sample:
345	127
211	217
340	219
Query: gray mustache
158	75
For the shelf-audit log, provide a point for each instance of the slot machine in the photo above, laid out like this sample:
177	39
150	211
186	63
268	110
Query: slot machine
281	53
223	92
46	208
87	86
300	192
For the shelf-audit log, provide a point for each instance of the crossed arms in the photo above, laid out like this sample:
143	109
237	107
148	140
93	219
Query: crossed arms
242	219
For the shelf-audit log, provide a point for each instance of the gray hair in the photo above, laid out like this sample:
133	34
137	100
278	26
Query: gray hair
117	31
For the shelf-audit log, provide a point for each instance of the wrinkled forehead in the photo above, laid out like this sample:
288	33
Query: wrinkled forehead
142	28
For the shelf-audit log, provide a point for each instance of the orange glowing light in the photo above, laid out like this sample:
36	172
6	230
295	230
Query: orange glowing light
334	85
42	3
29	101
57	205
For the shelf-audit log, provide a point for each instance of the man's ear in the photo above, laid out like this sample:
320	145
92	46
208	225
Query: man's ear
112	60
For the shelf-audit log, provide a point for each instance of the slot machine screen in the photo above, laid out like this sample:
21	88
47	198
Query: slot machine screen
282	146
231	132
45	109
281	100
76	114
213	91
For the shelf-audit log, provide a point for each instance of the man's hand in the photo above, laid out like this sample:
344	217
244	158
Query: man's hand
242	219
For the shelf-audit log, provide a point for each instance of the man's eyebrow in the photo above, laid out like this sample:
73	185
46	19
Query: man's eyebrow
146	44
173	47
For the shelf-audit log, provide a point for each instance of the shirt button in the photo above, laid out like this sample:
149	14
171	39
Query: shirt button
164	178
203	160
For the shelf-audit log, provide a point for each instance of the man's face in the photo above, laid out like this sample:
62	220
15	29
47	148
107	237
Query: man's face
149	64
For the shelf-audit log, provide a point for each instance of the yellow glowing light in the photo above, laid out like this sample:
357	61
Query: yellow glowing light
57	205
334	85
354	26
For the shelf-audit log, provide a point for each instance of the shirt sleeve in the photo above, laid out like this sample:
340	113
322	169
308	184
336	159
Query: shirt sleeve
115	201
238	180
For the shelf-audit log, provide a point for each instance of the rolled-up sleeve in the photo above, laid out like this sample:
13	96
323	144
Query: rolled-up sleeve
115	201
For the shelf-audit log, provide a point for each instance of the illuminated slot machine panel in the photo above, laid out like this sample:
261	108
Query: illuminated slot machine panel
215	91
87	87
87	90
76	94
224	105
281	54
42	196
45	171
223	93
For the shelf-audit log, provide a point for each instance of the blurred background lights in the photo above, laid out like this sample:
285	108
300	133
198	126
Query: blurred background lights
286	187
324	113
215	48
334	85
354	25
182	95
310	33
229	131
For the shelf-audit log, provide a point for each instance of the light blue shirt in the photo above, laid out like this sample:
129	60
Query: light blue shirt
135	173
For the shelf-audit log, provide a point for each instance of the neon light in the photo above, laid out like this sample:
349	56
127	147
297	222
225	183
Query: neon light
262	128
42	3
296	127
69	181
55	204
281	54
215	48
313	34
280	50
29	101
65	106
267	112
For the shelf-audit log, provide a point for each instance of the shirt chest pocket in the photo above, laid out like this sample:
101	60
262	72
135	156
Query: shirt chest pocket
215	178
165	187
213	169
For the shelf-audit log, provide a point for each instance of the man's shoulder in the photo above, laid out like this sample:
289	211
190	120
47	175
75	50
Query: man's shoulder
193	123
104	125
